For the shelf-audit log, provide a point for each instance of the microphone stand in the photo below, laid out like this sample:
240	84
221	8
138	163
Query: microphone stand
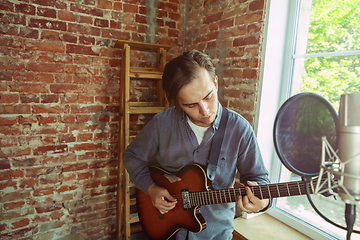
350	214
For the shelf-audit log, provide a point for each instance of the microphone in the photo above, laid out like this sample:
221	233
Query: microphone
349	154
349	147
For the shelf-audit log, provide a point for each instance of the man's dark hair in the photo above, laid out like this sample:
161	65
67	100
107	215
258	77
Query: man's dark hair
183	70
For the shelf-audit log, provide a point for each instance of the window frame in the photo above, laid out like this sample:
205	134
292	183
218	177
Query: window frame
275	85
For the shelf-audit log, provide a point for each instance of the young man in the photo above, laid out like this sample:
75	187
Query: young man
183	134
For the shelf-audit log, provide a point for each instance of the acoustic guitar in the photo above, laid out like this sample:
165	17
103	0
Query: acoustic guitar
190	187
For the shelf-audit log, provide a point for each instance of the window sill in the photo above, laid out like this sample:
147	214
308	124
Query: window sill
264	226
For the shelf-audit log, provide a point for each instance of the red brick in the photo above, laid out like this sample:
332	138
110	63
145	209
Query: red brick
102	99
87	109
53	98
66	88
74	167
50	35
85	137
6	5
92	184
78	49
45	108
3	226
170	7
12	130
103	164
101	23
68	119
43	23
43	192
5	76
50	149
86	146
84	175
29	33
118	6
67	37
62	78
9	98
67	138
109	182
130	8
24	162
29	183
28	88
20	234
23	76
28	98
22	223
50	3
250	73
66	16
10	174
11	64
249	18
244	41
46	12
5	164
13	205
8	184
45	67
48	207
79	79
104	4
84	9
8	120
257	5
25	8
86	40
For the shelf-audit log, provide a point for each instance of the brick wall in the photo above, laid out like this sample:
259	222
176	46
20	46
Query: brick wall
59	92
231	32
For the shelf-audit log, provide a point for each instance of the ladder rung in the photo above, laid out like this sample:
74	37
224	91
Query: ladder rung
136	228
146	75
141	46
134	217
132	201
146	110
144	104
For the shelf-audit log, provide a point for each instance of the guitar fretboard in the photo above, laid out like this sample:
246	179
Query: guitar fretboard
263	192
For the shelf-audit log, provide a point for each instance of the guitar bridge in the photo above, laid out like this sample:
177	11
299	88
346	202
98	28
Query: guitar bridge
185	199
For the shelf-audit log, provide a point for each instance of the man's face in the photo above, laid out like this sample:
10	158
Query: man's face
199	99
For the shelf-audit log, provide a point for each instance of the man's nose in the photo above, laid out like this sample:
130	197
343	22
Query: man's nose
204	108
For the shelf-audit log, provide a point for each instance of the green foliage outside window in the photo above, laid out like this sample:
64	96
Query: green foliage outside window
334	27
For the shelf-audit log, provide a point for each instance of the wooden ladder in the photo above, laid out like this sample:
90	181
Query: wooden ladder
126	221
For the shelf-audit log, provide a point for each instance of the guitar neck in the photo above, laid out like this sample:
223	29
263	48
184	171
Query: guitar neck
263	192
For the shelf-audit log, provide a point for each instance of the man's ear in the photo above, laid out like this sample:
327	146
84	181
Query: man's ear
216	82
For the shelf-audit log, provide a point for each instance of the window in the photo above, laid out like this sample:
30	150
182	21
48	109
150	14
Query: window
310	46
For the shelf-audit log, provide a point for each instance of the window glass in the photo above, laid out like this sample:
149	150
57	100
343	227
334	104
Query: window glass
326	61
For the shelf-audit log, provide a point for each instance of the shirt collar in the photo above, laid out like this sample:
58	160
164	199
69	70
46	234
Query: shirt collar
216	121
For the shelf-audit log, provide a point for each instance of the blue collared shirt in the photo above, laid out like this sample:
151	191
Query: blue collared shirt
169	141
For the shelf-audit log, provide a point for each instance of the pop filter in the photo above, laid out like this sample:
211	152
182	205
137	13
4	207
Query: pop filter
299	126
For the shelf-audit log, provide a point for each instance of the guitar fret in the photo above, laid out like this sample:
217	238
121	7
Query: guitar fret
299	188
287	186
277	188
269	191
261	194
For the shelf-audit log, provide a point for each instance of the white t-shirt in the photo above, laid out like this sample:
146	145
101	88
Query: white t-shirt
199	131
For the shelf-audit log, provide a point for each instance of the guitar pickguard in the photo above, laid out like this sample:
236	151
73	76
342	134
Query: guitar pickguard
185	199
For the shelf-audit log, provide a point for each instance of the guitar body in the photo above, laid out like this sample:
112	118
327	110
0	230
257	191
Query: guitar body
158	226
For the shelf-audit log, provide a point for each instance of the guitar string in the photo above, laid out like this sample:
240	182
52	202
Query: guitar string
208	196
